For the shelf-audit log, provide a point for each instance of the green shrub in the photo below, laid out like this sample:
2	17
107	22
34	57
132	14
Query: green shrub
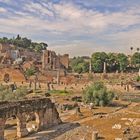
90	76
6	93
59	92
97	93
30	72
138	79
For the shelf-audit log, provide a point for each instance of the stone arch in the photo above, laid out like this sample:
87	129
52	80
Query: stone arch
21	129
35	121
44	110
31	122
10	125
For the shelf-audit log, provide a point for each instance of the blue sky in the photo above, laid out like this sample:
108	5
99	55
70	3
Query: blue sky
77	27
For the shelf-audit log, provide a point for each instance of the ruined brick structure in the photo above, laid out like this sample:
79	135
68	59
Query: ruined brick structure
8	53
43	109
51	61
12	75
64	60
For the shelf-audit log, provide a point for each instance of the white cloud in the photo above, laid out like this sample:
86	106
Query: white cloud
67	19
36	7
5	1
2	10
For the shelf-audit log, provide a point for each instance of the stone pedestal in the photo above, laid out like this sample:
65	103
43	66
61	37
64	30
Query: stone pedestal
78	111
94	135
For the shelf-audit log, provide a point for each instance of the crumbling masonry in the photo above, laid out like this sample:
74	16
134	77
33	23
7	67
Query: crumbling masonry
44	110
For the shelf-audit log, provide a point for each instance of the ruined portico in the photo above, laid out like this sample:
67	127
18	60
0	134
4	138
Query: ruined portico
43	109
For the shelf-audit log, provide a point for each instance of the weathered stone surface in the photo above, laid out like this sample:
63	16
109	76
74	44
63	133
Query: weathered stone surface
44	110
2	124
21	125
94	135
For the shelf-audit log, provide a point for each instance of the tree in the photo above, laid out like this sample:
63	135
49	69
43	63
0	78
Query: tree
136	59
131	48
24	43
98	95
138	49
79	65
138	78
18	37
122	60
31	71
98	60
44	45
112	62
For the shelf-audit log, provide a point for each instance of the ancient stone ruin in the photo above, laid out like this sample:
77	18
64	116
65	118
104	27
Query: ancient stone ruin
43	109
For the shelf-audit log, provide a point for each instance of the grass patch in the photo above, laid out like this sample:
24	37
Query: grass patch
59	92
131	97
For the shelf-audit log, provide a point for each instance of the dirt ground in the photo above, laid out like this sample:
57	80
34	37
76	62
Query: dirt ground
121	121
110	122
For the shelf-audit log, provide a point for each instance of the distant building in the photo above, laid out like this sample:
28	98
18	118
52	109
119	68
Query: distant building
15	54
4	47
8	54
51	61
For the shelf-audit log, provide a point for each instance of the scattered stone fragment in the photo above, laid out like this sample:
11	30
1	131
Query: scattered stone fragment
116	126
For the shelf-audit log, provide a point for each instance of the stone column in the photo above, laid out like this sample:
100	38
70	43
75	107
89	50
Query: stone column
55	116
39	120
30	84
21	126
90	66
48	118
2	125
54	63
43	60
43	119
58	76
48	86
104	70
35	83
